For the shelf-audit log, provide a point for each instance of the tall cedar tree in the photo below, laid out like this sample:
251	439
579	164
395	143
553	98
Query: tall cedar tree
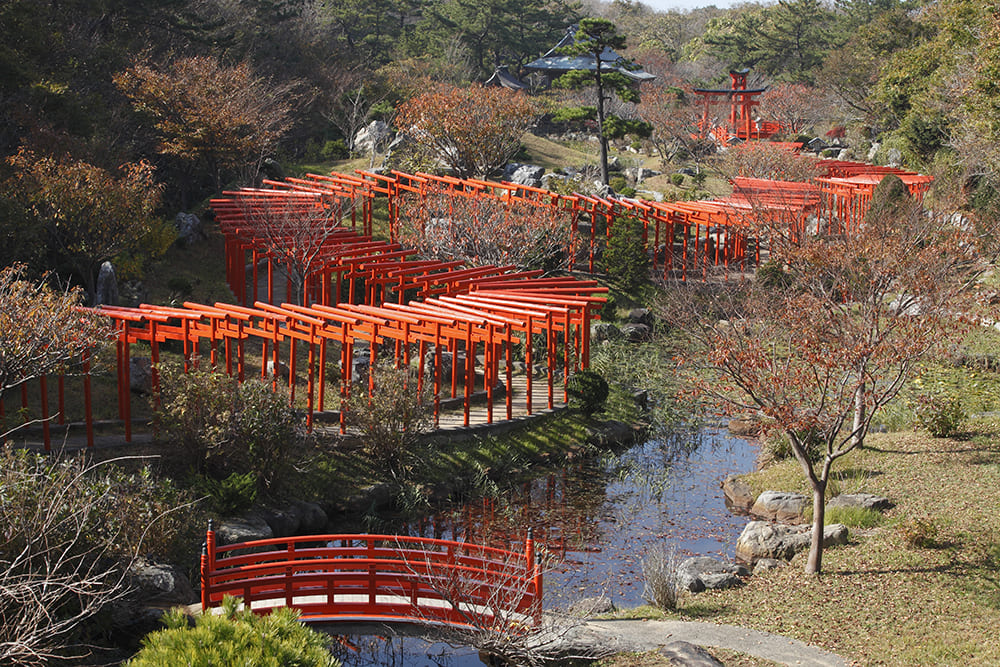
818	354
592	38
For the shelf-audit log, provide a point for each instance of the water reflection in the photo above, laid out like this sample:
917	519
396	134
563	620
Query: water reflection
597	520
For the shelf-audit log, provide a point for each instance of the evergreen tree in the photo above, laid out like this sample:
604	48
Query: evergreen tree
593	38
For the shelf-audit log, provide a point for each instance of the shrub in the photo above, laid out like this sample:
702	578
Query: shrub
220	426
625	259
770	274
237	637
232	495
335	150
942	415
919	533
677	179
69	532
618	183
659	568
392	418
588	391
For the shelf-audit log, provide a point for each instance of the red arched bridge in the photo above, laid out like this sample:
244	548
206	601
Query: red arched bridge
384	578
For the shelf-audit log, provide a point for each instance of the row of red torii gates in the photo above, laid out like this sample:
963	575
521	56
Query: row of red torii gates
417	311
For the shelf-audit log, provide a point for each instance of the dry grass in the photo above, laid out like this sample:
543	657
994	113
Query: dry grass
879	601
554	155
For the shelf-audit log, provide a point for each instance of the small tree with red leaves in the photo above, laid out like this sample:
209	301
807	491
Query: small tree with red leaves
816	355
474	130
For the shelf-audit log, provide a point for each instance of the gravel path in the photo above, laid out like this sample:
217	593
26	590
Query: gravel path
646	635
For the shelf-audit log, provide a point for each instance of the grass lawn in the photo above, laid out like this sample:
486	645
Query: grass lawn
879	600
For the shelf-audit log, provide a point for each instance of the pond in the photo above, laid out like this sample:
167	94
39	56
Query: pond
597	519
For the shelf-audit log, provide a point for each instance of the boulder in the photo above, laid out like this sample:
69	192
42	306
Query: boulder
373	137
686	654
763	539
765	564
282	367
866	500
704	573
243	529
107	286
641	173
594	606
312	518
894	157
601	331
739	496
524	174
160	584
780	506
140	375
614	163
272	169
636	333
283	522
190	228
639	316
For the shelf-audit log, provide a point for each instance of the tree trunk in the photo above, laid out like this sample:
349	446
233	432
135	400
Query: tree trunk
858	439
602	140
815	563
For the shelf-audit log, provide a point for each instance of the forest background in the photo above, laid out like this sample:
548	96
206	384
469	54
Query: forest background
178	99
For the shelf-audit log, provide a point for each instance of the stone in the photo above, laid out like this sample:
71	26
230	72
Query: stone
780	506
140	375
704	573
273	169
765	564
243	529
282	369
894	157
873	152
190	228
866	500
686	654
552	181
614	164
593	606
601	331
636	333
312	517
160	584
639	174
283	522
738	494
763	539
107	286
524	174
639	316
373	137
844	154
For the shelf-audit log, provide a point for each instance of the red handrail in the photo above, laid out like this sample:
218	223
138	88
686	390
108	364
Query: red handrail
397	578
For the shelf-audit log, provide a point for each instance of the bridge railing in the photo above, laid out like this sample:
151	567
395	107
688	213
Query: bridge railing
396	578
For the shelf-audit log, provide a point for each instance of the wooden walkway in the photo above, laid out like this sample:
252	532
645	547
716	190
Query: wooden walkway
452	420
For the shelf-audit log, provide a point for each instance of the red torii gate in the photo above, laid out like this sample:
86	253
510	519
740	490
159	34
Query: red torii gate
741	103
